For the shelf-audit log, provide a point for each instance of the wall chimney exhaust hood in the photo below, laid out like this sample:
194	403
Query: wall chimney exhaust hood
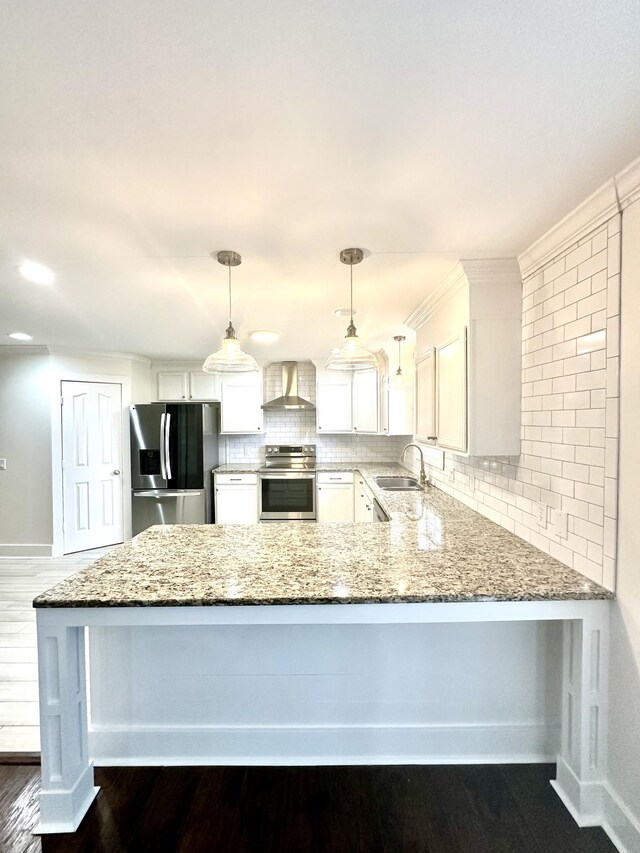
289	398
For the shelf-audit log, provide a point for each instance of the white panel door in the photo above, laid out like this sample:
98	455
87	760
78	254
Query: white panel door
204	386
172	386
236	504
333	406
241	405
451	385
425	397
91	465
335	502
365	401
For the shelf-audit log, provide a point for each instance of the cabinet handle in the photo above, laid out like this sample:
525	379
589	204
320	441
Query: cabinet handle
183	396
432	438
235	479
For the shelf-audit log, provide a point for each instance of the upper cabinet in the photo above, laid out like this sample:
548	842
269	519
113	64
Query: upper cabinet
184	385
241	404
396	395
468	360
347	402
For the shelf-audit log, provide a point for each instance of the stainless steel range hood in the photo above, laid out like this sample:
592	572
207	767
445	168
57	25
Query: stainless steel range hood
289	398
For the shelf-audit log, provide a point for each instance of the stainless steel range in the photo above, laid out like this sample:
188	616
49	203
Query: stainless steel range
288	483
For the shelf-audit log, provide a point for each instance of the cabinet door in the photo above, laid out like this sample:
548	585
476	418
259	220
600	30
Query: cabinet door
241	405
401	411
204	386
451	390
172	386
425	397
363	502
333	406
236	504
335	502
365	401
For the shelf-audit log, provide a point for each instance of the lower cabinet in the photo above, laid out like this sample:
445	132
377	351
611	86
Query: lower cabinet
236	498
363	502
335	496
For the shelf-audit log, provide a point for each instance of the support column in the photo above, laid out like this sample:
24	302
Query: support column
582	760
67	788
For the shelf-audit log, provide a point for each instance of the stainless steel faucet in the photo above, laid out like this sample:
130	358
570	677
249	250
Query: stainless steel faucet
423	475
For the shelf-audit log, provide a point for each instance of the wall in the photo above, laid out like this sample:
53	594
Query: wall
623	802
26	526
568	460
300	427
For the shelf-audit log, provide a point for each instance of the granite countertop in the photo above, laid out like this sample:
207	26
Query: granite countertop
433	549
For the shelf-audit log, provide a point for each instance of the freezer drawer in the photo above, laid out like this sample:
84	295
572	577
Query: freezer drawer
167	506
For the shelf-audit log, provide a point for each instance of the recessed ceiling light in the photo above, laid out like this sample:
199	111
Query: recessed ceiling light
264	336
20	336
343	312
36	273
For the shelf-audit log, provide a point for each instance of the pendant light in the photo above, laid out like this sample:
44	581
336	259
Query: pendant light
230	358
398	379
351	356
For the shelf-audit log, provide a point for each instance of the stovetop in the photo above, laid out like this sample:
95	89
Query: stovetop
289	457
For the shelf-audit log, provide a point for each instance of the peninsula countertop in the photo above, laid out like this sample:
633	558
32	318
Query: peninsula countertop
433	549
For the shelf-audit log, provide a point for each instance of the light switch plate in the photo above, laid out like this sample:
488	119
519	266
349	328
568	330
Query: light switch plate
3	464
561	528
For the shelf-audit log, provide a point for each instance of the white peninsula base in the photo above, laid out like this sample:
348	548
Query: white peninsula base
67	769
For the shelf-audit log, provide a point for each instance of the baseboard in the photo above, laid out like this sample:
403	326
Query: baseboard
620	825
26	550
583	800
318	745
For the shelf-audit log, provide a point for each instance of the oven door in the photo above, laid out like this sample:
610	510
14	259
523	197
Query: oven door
287	496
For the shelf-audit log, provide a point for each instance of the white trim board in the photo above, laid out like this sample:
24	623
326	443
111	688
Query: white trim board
612	197
323	745
618	822
9	550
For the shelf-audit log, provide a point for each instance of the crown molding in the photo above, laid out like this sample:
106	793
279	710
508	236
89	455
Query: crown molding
23	349
85	353
628	184
451	283
466	270
611	198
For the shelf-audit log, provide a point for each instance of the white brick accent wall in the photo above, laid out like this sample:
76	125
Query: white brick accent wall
300	428
570	405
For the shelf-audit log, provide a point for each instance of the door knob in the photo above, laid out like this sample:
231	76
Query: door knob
116	472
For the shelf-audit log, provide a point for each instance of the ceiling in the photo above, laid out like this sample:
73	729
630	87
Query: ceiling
138	137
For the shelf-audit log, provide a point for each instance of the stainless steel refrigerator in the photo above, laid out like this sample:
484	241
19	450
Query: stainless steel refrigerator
174	446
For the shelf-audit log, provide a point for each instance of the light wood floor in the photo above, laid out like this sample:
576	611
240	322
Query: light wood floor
21	579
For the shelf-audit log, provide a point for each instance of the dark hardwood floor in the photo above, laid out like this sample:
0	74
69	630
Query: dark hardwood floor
473	809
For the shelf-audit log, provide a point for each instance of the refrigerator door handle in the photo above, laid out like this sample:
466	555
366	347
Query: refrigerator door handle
163	460
167	447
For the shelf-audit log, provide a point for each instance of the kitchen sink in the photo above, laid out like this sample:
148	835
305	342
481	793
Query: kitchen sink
398	484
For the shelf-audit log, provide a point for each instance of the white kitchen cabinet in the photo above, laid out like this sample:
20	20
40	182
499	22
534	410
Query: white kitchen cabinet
335	496
333	405
241	402
347	402
204	386
397	414
468	341
363	502
175	385
426	396
236	498
365	401
451	390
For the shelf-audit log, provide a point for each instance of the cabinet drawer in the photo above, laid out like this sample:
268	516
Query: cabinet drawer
236	479
335	477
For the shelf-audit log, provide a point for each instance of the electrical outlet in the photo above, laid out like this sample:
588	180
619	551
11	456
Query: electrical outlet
450	475
540	514
561	527
3	464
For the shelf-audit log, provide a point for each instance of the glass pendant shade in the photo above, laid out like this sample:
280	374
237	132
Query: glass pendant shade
351	356
230	358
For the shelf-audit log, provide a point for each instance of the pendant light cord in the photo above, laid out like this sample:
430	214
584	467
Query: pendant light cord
229	294
351	275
